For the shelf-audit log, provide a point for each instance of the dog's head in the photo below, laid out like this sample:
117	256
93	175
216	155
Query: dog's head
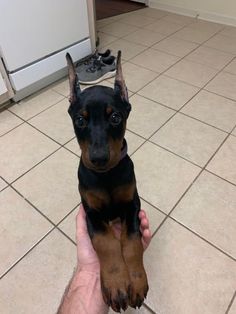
99	117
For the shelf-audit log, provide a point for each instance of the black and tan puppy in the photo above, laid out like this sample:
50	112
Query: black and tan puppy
108	188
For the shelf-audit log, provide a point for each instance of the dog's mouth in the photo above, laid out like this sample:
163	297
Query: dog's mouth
101	169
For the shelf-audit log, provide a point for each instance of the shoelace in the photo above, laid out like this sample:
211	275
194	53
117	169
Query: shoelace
96	65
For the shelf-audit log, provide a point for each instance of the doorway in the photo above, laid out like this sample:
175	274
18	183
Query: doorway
108	8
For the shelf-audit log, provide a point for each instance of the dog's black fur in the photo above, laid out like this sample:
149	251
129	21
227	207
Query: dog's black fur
107	186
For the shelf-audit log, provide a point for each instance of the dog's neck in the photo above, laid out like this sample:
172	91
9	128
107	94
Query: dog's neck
124	149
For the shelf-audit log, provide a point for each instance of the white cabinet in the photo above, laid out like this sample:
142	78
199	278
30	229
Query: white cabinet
35	36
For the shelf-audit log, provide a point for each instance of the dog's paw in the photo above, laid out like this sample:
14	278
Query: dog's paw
138	288
116	290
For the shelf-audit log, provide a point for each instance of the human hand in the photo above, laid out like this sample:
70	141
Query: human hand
87	257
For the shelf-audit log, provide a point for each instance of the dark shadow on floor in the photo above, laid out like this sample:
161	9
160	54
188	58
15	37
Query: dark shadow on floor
107	8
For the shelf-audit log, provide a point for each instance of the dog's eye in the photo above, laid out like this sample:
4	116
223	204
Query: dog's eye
80	122
115	118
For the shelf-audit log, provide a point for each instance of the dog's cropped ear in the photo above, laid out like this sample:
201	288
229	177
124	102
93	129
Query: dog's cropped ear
73	80
120	87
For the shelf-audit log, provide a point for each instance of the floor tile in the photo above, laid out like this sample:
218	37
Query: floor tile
229	31
169	92
40	279
136	77
55	122
21	149
203	25
231	68
20	226
208	209
163	27
147	116
106	83
194	35
36	103
74	146
189	138
8	121
105	39
144	37
101	23
129	50
212	109
133	141
142	310
233	308
224	162
178	19
118	29
154	216
210	57
61	87
192	73
52	186
158	172
175	46
222	43
3	184
135	20
154	60
223	84
187	275
68	225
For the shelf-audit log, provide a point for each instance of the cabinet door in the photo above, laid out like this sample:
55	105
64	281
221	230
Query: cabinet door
34	29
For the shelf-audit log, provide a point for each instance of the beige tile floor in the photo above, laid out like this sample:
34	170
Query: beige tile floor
182	137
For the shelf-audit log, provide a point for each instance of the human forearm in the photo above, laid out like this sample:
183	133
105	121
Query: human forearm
83	295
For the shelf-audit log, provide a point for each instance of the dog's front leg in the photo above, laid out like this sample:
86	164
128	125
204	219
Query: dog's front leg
115	282
132	250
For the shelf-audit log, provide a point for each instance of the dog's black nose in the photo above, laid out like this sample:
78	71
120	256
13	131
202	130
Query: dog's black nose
99	159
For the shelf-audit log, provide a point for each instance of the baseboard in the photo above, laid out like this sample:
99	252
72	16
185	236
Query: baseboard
203	15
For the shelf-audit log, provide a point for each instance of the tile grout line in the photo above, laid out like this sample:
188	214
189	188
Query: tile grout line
45	109
218	176
34	166
186	101
32	205
26	120
56	226
61	100
53	225
183	195
148	308
231	303
201	237
68	214
202	169
161	73
65	235
24	255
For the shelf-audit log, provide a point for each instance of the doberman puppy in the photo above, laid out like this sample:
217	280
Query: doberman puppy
107	187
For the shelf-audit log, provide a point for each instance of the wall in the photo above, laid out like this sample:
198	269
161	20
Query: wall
222	11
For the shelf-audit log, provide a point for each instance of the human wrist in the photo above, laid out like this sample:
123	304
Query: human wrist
93	268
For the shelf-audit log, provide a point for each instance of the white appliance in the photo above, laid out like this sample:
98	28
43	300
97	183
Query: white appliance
35	36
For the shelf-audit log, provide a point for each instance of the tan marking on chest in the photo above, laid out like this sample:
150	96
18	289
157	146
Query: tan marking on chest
124	193
95	199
